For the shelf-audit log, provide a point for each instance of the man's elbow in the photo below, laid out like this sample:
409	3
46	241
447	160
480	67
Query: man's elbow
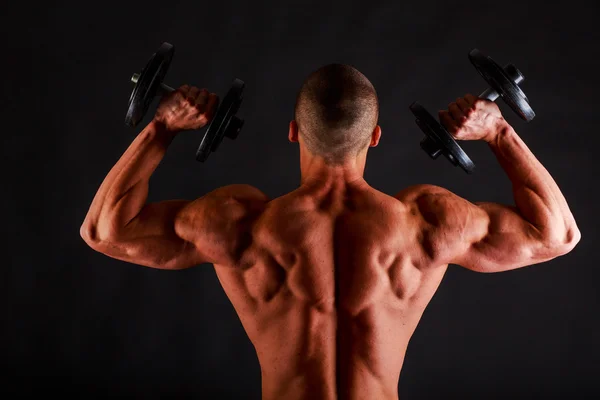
565	242
89	234
96	237
572	237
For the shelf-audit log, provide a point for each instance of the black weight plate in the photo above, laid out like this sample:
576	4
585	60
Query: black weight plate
148	83
224	123
501	82
434	130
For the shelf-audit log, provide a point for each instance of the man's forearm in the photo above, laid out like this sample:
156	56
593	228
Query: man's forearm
537	196
124	191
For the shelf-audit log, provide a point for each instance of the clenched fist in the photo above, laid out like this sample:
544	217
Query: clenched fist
186	108
472	118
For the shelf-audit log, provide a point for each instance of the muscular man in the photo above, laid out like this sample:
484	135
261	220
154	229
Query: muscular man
330	280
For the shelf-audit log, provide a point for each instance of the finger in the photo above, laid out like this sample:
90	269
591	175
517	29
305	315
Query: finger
183	90
470	98
464	106
455	112
211	106
447	121
192	94
201	98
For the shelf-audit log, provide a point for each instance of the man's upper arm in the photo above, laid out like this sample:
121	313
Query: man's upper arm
178	234
483	237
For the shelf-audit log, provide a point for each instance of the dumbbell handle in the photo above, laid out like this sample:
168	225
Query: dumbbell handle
513	73
434	149
164	88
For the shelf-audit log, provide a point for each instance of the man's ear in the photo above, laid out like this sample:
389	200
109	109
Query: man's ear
293	133
375	136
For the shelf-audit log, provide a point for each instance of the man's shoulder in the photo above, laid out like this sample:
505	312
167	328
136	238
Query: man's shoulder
241	192
226	204
437	205
419	191
218	222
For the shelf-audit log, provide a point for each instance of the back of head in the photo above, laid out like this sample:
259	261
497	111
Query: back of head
336	112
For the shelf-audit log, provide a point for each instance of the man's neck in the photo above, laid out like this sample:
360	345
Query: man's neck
330	187
316	173
324	178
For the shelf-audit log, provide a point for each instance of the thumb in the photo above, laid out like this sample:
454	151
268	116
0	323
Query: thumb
212	106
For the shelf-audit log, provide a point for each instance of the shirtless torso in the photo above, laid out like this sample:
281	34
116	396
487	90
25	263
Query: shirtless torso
330	280
330	290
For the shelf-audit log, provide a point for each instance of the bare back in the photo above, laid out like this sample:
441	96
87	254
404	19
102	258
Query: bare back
330	292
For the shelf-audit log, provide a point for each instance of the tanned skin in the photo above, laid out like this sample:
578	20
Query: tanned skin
330	280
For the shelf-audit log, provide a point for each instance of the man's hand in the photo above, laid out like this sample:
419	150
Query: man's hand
472	118
186	108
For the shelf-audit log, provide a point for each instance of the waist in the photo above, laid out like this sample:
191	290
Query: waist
319	384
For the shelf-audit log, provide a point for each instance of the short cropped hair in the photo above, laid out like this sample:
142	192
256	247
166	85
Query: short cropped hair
336	111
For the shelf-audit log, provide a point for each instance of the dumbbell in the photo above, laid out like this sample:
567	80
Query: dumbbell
504	83
149	83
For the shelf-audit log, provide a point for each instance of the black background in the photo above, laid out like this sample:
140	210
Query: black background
77	321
